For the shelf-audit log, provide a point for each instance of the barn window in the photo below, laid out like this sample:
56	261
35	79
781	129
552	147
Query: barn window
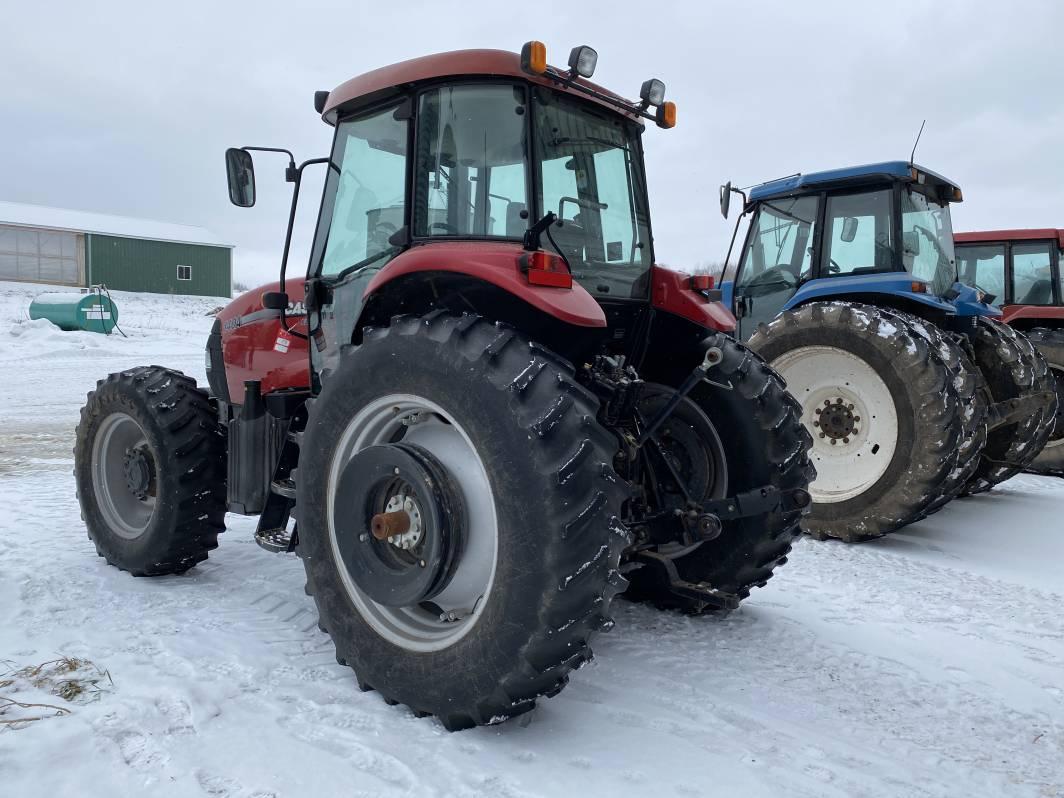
184	272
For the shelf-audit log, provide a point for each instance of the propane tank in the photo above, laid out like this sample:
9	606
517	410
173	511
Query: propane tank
92	311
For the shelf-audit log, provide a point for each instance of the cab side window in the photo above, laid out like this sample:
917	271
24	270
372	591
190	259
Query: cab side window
858	233
1032	279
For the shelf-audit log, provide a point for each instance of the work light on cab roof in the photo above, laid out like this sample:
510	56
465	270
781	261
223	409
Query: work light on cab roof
582	62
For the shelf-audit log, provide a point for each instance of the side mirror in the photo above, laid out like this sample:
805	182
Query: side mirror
849	229
725	199
240	171
275	300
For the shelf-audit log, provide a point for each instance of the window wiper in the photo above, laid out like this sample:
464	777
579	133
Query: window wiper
362	264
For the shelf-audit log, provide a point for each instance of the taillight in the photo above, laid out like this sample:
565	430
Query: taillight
546	268
701	282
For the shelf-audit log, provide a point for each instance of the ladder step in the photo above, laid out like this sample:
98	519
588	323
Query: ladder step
284	487
275	540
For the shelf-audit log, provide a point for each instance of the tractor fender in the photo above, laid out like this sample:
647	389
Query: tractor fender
671	293
967	303
896	284
1042	315
495	263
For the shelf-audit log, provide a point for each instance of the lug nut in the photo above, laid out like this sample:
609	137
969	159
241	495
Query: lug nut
849	407
827	402
856	418
833	441
816	423
821	434
845	440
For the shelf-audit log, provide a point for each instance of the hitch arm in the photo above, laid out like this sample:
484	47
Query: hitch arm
712	357
1012	410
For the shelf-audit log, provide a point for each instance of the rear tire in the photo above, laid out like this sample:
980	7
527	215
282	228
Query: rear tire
761	440
149	463
1013	369
1050	343
971	395
553	503
881	392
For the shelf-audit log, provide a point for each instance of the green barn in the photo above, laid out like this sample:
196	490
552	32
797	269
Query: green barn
77	248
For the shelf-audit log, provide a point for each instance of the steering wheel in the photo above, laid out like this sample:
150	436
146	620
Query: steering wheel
834	268
447	227
777	275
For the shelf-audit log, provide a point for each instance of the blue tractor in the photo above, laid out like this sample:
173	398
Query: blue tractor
912	389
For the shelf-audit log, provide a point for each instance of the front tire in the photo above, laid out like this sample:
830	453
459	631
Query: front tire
149	463
517	436
881	408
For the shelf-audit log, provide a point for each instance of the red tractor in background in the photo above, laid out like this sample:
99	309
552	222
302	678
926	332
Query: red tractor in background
487	409
1024	270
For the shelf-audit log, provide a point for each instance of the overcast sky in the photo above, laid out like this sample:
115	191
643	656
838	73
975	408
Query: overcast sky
128	108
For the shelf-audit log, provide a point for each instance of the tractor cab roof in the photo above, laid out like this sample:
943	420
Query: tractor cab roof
459	64
887	171
1031	234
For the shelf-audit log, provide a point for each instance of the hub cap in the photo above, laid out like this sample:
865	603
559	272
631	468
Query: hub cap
123	475
451	608
851	415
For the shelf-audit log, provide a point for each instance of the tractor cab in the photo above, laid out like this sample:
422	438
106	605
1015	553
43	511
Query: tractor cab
484	182
1021	268
847	233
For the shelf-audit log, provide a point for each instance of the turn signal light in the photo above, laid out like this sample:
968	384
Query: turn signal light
701	282
546	268
919	287
534	57
667	114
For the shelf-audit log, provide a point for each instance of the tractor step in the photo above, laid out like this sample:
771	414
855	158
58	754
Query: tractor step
275	540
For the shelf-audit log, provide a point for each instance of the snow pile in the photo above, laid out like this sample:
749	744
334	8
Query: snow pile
927	663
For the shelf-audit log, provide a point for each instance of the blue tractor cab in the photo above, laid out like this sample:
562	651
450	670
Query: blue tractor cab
913	392
879	234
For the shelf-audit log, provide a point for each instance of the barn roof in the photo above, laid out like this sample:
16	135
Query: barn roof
25	215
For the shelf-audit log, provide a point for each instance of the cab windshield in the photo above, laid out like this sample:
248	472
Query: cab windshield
589	172
927	240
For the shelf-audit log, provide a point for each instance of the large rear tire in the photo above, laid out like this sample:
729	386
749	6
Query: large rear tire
1013	369
750	430
149	463
1050	343
882	410
512	438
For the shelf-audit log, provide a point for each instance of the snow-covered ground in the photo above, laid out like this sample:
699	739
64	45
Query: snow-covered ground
928	663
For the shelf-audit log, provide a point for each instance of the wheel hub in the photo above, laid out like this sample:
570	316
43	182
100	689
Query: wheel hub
836	421
139	469
401	531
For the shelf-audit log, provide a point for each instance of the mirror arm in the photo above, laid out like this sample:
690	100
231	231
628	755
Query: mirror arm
291	174
735	232
297	178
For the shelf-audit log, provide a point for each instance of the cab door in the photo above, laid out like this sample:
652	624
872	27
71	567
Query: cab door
777	257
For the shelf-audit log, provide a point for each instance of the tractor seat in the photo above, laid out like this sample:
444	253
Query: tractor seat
1040	293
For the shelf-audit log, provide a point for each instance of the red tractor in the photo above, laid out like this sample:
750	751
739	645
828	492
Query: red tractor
486	409
1024	269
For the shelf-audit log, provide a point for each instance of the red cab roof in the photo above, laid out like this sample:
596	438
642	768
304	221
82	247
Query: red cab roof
459	63
983	236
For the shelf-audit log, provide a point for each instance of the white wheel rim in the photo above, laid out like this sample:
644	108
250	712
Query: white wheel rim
820	376
415	628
